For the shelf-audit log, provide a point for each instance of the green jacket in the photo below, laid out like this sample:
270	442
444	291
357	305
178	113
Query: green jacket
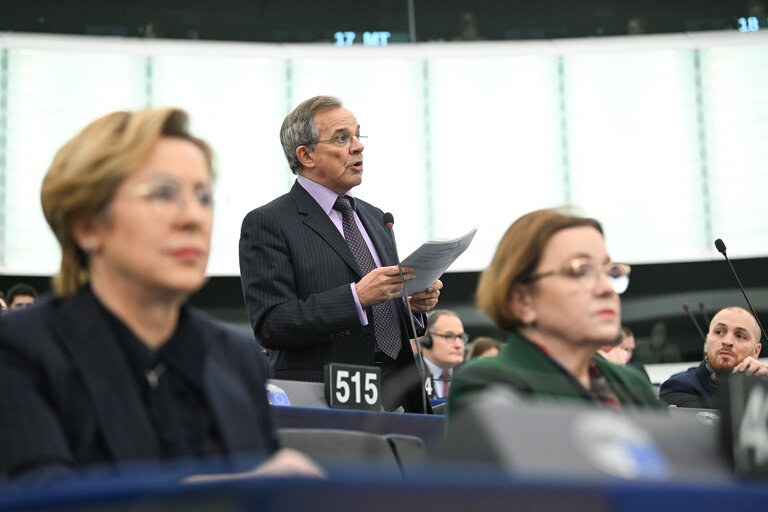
522	366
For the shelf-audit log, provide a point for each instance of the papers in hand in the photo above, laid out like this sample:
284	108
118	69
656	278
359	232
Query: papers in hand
433	258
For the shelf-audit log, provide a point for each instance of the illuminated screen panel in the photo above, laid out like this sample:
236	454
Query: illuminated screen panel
457	138
237	105
495	146
734	85
386	95
51	96
633	151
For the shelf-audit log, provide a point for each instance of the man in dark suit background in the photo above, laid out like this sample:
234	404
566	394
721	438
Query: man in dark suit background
318	267
732	345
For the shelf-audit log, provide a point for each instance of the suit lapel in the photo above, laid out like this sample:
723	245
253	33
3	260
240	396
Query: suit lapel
85	334
317	220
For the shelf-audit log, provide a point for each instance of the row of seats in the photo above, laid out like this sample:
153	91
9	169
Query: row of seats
501	431
393	453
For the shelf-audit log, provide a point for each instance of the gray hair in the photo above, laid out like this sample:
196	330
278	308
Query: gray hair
299	127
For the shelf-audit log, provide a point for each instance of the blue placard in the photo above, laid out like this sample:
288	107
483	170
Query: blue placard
277	395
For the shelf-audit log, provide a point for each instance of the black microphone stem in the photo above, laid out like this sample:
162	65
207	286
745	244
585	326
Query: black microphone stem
704	314
762	331
687	309
420	367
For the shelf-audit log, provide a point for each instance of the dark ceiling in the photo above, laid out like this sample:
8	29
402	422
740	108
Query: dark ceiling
316	21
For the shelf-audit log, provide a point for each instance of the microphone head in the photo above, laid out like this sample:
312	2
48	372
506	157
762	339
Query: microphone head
720	245
388	219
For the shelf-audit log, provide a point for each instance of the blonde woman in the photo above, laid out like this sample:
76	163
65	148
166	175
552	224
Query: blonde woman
114	367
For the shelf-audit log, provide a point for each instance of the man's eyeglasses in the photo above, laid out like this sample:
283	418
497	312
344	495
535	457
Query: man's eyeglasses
344	141
464	337
587	272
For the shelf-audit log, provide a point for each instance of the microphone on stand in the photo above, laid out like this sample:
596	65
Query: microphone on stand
704	314
720	246
389	220
687	309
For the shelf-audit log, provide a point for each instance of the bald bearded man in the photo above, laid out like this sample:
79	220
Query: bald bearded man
732	345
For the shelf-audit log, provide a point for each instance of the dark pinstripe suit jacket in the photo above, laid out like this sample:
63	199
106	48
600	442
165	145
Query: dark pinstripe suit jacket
296	270
68	398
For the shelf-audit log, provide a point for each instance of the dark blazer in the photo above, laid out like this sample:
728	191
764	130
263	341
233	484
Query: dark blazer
691	388
522	366
68	397
296	269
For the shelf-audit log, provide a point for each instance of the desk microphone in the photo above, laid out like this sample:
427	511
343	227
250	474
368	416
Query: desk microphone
704	314
720	245
389	220
687	309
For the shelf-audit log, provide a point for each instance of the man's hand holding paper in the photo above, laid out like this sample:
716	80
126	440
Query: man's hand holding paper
425	301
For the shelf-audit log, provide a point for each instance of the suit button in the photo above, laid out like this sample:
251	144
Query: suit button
347	332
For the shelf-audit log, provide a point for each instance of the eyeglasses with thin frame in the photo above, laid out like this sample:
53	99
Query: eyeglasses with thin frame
344	141
167	197
588	272
464	337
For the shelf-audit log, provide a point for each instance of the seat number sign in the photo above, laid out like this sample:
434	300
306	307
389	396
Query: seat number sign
428	387
349	386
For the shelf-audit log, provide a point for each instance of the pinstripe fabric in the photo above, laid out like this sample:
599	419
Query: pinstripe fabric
387	330
67	397
296	271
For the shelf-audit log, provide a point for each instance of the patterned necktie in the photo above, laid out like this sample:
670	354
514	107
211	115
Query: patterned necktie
445	379
385	325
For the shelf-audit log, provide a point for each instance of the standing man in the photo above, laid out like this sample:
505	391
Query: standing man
318	267
733	345
443	349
